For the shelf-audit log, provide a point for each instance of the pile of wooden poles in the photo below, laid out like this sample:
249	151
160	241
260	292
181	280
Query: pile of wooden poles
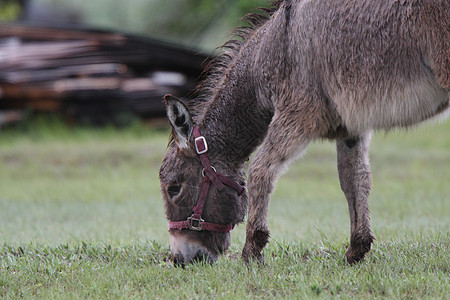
88	75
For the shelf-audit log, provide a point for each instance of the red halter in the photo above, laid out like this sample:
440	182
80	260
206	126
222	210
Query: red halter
195	222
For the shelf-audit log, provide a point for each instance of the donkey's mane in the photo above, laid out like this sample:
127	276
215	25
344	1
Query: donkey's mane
217	67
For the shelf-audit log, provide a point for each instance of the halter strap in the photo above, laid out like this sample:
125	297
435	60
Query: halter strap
195	221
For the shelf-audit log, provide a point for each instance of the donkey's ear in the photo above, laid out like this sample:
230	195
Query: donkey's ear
180	119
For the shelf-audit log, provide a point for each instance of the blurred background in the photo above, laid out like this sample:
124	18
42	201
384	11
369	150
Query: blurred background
99	62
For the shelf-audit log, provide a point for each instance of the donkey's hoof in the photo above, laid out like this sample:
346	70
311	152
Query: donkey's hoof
256	241
352	259
249	256
360	243
357	253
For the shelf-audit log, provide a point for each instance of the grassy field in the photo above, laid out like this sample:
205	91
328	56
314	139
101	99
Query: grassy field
81	217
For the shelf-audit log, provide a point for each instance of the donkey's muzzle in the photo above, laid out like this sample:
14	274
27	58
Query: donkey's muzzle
184	251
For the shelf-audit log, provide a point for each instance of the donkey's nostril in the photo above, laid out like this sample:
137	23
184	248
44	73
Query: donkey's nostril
203	257
178	260
199	257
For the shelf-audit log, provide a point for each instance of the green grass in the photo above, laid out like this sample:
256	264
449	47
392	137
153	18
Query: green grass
81	217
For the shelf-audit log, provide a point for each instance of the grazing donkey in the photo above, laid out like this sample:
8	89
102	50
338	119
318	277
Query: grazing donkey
306	70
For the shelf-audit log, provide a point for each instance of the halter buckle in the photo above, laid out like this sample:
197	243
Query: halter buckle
195	223
201	147
204	171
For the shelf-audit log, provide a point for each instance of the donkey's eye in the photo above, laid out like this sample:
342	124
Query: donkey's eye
174	190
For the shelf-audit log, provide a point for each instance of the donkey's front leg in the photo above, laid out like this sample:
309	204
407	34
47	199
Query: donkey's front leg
270	161
355	179
260	185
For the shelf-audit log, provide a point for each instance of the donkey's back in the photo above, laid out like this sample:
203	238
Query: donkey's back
381	63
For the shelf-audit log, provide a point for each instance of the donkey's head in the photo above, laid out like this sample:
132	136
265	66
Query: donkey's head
203	198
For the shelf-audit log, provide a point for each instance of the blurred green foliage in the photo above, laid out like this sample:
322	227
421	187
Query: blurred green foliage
202	24
196	20
9	10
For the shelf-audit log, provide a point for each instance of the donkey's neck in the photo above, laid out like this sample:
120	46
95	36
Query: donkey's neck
235	121
236	117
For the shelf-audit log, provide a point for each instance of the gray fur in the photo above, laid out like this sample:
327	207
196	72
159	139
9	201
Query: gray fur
312	70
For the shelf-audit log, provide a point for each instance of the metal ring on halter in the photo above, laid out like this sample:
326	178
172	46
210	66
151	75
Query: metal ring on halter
203	171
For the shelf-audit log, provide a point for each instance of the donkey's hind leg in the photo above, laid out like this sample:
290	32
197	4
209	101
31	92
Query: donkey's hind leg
355	179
